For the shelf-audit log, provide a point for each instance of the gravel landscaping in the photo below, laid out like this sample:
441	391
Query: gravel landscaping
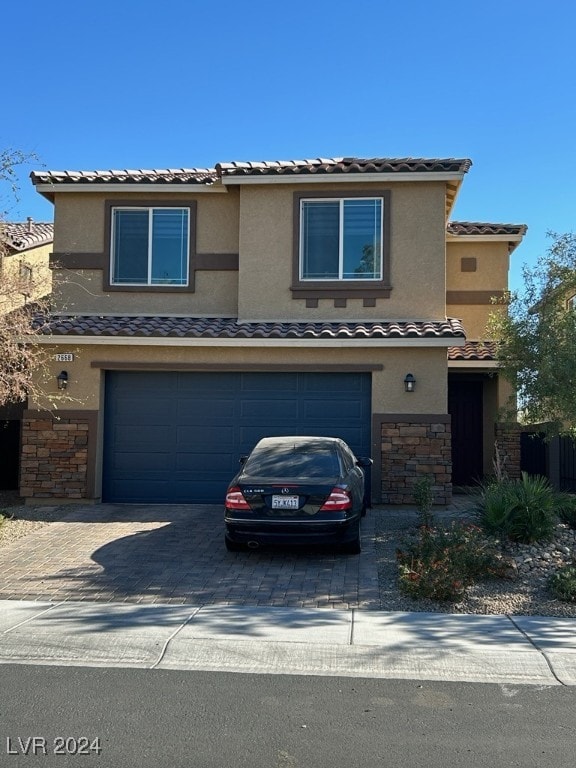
524	593
19	520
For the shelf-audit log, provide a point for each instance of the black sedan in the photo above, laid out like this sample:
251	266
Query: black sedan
297	490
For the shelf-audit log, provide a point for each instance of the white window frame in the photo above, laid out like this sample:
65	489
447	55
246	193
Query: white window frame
150	210
340	278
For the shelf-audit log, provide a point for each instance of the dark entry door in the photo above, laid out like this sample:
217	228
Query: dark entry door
465	408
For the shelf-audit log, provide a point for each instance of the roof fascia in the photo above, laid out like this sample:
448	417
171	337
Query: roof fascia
476	364
484	238
49	190
343	178
163	341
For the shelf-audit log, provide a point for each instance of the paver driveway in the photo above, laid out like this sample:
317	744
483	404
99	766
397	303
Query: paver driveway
176	554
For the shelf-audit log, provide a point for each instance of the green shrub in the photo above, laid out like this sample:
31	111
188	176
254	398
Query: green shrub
563	584
494	506
567	512
424	499
442	563
523	510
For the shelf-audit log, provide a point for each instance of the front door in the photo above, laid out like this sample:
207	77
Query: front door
465	408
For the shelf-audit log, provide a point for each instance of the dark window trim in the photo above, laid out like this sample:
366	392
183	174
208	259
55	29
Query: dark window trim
107	283
341	289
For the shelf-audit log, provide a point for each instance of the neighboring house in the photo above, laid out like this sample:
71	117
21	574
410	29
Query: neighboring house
214	306
25	249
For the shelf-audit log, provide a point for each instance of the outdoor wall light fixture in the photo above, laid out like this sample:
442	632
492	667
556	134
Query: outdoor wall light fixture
409	382
62	380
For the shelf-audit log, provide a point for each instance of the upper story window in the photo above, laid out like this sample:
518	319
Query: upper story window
571	303
150	246
341	239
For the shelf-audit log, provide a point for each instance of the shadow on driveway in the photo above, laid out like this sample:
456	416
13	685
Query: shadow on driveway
176	555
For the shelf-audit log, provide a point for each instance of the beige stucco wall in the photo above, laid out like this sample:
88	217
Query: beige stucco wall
491	276
474	317
40	284
417	253
79	227
492	261
79	219
388	395
81	291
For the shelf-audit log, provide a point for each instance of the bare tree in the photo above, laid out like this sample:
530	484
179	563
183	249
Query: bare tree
22	298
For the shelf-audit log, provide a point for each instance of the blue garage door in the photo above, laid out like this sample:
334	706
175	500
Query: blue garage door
177	437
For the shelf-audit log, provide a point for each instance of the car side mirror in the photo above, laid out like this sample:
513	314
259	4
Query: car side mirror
364	462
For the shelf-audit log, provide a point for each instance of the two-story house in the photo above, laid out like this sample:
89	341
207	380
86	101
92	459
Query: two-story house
205	308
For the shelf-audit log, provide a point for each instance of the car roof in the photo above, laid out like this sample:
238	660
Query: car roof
299	441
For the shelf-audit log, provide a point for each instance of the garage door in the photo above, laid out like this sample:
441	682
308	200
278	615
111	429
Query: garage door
177	437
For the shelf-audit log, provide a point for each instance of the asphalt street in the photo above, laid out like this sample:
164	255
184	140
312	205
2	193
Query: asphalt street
129	718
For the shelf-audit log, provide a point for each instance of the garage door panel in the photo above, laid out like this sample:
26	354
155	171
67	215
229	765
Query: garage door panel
137	437
202	408
127	410
337	383
332	410
203	464
150	490
258	382
266	409
177	436
203	439
210	383
145	464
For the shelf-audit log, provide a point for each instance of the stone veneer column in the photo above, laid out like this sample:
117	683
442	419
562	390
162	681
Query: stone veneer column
56	461
415	446
507	436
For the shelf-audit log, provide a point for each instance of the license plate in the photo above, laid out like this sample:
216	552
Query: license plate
285	502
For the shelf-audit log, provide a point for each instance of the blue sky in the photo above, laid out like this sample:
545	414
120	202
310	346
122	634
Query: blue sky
137	84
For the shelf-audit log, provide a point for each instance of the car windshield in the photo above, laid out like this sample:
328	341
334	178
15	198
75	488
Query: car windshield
278	462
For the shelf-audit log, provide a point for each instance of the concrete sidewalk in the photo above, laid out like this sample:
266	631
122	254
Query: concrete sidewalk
424	646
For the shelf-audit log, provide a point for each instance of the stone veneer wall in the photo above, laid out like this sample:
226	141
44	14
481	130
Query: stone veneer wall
415	446
507	436
55	461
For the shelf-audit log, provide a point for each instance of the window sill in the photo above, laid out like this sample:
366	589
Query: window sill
341	290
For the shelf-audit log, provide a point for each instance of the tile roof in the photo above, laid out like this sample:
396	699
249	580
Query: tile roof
230	328
484	228
22	235
339	165
126	176
473	350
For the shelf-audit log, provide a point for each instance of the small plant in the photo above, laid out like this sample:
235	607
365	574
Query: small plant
442	563
424	499
523	510
563	584
567	512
